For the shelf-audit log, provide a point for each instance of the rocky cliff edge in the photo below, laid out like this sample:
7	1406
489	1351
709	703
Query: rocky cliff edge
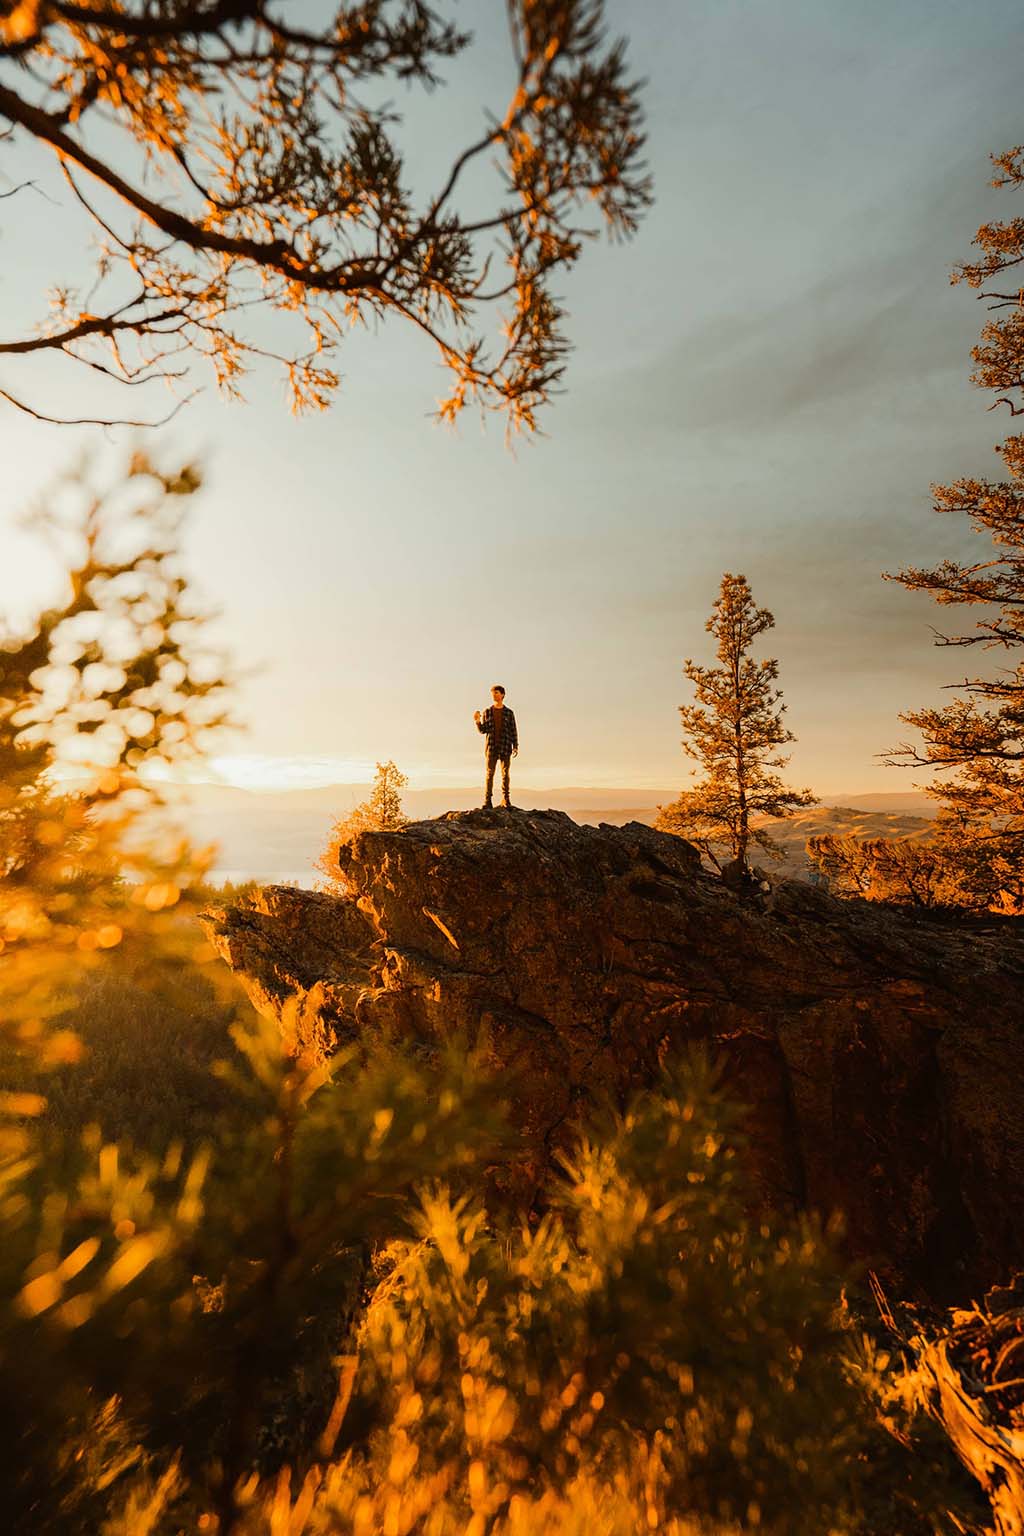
882	1056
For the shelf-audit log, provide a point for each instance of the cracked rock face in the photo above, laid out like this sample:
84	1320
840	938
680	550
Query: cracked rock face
882	1057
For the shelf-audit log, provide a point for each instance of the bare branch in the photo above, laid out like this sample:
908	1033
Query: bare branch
92	421
195	22
28	186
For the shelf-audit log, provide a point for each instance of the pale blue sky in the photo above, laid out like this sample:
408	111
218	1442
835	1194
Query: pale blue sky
765	380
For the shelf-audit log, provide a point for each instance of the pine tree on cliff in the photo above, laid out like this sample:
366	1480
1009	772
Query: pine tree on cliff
385	802
382	812
734	730
979	739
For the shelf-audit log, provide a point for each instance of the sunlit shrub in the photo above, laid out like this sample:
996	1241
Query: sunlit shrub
642	1357
192	1312
645	1351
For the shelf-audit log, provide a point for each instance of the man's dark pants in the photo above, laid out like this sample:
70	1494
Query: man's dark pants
492	763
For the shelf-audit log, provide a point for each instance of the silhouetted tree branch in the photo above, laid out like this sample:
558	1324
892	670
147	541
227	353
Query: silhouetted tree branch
248	166
86	421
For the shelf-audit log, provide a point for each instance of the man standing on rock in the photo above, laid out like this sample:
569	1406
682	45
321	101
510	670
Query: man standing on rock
497	725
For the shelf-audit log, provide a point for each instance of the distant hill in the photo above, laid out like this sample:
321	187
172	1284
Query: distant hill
275	835
911	800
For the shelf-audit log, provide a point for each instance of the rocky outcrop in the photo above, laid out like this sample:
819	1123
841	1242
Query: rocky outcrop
305	958
882	1057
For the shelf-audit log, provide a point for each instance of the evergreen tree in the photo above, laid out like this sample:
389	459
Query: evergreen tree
734	731
382	812
385	802
979	738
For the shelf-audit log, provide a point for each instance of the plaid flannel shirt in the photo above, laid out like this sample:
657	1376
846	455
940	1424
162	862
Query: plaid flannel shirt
507	740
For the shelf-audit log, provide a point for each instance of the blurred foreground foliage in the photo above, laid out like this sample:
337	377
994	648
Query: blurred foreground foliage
243	1290
275	1337
112	681
146	1072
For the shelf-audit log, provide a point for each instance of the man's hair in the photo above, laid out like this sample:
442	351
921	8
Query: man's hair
497	688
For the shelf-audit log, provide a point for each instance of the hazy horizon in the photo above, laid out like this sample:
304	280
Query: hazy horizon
644	792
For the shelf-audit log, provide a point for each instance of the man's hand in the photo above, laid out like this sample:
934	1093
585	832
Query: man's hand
476	717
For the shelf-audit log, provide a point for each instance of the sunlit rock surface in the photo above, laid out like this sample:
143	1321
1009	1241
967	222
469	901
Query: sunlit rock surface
882	1057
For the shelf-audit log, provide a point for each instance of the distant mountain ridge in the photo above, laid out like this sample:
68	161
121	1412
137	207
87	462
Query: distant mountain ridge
275	835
